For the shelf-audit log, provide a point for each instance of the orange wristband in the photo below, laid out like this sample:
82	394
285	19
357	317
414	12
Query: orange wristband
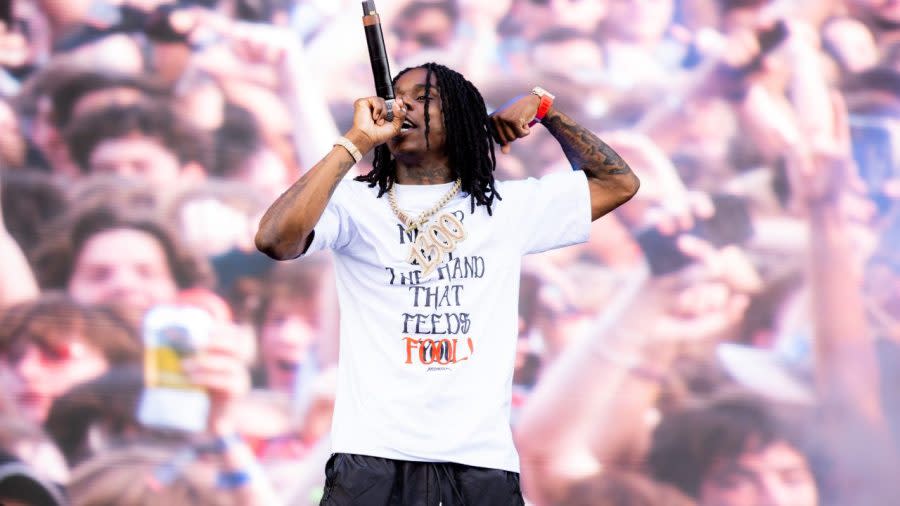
546	103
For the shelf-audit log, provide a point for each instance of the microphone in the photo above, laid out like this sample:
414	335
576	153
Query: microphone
378	56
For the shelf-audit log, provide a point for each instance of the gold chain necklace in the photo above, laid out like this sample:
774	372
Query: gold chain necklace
436	239
423	218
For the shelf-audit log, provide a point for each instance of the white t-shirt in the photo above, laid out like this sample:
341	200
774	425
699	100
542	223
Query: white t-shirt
395	398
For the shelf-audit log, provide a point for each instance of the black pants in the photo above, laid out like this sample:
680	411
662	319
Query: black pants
361	480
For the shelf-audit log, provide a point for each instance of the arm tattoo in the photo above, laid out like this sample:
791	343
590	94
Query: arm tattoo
584	150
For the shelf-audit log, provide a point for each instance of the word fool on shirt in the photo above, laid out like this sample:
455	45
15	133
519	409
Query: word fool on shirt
437	351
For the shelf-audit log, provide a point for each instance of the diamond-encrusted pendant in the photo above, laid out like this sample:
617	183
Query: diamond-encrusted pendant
436	240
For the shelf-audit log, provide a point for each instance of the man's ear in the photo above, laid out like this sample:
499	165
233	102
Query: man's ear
192	172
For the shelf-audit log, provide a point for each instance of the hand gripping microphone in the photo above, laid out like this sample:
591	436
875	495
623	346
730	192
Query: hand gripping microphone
378	56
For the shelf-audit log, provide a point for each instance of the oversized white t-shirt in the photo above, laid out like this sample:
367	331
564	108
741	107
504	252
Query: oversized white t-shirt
426	362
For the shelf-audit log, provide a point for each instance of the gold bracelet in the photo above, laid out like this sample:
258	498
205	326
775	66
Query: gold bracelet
350	147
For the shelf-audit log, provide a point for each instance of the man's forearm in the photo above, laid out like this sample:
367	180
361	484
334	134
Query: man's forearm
613	182
845	363
584	150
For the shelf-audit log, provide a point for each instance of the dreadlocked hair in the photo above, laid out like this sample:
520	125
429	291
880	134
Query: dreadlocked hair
469	144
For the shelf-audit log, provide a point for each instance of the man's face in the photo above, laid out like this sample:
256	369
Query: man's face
776	475
36	374
123	266
410	142
136	155
285	341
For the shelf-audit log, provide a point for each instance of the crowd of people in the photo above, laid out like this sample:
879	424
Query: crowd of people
729	337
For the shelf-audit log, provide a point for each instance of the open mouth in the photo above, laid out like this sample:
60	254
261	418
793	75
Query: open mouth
407	126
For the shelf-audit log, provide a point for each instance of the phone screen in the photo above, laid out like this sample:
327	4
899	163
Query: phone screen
172	334
731	224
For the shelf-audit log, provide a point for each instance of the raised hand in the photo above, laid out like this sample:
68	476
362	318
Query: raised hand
510	122
703	301
370	126
220	369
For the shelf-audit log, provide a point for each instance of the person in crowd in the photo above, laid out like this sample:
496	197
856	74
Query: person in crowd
32	200
291	318
142	474
616	488
86	259
140	140
88	90
243	156
422	27
54	343
735	451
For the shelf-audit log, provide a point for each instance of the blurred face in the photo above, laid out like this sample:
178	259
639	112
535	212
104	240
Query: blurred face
123	266
429	29
410	142
285	341
211	227
777	475
36	375
266	172
640	20
136	155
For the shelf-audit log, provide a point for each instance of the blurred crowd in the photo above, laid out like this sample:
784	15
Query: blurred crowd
730	337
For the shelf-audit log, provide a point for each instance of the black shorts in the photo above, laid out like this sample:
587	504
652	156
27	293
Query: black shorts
361	480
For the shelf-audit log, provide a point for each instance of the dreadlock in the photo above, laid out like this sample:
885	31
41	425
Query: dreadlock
470	147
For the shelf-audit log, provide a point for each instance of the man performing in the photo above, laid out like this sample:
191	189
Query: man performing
427	250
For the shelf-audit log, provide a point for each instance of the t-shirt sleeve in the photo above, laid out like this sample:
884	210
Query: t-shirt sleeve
555	211
334	229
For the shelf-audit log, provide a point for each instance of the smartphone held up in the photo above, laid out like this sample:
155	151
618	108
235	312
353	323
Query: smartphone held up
171	335
730	224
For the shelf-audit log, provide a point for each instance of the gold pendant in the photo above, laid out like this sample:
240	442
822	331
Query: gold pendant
436	240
